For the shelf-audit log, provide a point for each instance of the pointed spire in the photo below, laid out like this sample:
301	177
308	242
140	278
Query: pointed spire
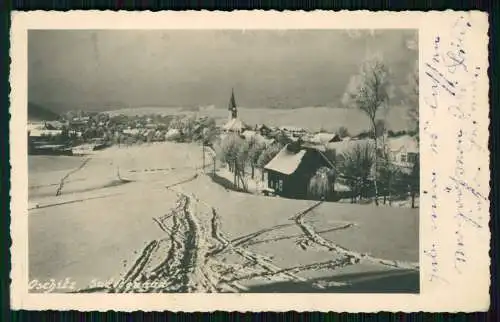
232	105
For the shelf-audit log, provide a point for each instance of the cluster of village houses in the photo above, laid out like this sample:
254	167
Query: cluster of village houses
287	174
46	137
93	133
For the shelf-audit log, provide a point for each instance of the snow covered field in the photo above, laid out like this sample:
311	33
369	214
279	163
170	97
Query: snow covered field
147	219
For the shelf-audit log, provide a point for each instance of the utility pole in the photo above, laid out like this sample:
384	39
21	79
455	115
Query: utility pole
203	153
235	174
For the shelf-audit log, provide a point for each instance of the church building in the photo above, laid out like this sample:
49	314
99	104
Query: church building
234	124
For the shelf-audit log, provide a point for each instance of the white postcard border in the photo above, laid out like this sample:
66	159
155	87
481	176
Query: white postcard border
444	290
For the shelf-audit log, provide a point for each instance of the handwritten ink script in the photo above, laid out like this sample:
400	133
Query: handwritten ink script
454	74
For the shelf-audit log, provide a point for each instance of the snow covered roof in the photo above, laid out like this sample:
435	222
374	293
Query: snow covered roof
81	119
324	138
235	125
292	128
249	135
407	143
262	126
53	146
35	126
131	131
39	132
55	124
286	161
346	145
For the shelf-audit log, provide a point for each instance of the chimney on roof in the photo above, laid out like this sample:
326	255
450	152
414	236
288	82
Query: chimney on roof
294	147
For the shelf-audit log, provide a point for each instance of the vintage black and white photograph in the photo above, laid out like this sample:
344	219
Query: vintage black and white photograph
223	161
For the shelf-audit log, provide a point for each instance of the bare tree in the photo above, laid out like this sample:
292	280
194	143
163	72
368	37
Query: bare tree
414	182
412	96
243	156
234	151
380	128
355	166
413	102
188	127
254	153
369	91
321	184
176	123
388	172
208	136
228	152
342	132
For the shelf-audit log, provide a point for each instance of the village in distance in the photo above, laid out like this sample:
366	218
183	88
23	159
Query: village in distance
315	165
210	199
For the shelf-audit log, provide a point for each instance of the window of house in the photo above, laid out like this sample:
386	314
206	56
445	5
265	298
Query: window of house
412	157
280	187
403	157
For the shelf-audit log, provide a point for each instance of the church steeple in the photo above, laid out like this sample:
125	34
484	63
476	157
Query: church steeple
233	112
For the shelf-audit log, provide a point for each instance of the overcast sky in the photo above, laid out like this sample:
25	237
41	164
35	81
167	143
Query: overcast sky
100	69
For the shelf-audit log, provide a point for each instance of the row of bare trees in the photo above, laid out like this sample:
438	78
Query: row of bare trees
394	182
239	154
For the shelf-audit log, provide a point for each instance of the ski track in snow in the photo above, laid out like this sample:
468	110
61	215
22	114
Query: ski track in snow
184	267
63	179
66	202
251	239
257	259
318	239
182	270
188	259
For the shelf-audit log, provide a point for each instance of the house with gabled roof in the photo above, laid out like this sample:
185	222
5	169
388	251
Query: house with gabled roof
290	171
404	150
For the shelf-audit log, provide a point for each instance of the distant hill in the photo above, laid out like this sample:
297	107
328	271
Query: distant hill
39	113
311	118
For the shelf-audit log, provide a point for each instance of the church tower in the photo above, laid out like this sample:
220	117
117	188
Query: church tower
233	112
